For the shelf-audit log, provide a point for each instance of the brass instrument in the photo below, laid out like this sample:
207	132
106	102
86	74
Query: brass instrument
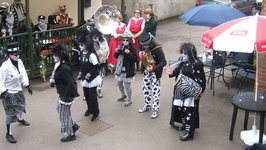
106	19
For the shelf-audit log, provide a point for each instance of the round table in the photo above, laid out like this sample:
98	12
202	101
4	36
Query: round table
246	102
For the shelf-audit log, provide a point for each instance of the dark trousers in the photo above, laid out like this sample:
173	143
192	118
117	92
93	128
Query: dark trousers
91	99
177	114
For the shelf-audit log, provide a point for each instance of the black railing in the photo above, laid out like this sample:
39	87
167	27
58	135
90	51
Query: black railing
41	41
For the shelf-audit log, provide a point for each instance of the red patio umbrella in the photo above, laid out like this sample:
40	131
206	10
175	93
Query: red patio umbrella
238	35
241	35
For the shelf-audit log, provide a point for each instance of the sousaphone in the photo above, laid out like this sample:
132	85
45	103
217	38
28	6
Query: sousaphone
106	19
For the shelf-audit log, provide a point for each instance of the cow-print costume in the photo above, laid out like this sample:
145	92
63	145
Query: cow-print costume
151	80
151	89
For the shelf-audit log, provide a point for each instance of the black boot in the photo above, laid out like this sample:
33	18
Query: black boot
187	136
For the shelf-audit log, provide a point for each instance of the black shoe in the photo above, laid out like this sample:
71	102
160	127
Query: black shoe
87	113
24	122
95	117
75	128
68	138
122	98
186	137
10	138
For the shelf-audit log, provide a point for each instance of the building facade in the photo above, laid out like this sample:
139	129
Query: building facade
163	8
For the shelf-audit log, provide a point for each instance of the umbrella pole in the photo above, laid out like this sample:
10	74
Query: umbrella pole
251	137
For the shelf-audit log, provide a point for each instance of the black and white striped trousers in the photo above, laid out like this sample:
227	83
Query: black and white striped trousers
64	110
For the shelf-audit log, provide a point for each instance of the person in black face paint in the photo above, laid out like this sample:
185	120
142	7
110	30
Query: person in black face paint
185	111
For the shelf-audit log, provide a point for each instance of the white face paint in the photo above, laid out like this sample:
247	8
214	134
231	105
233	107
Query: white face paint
56	58
126	41
41	22
82	47
14	56
184	57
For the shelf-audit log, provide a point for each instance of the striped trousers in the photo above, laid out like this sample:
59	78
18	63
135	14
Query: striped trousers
66	121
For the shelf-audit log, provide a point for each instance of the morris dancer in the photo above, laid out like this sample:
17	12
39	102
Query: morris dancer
12	76
186	110
125	68
151	73
89	75
66	87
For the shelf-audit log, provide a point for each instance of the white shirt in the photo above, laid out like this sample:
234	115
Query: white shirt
11	79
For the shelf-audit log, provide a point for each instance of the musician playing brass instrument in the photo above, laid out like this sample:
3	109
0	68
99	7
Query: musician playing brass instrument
153	61
101	47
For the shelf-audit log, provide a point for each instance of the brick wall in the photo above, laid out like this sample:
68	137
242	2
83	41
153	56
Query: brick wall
261	72
264	8
262	62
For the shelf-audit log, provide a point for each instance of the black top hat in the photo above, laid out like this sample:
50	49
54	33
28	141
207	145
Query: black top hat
145	38
12	47
41	17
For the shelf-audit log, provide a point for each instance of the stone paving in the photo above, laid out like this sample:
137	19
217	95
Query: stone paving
125	128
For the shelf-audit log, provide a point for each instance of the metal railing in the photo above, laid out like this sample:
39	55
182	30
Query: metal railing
42	40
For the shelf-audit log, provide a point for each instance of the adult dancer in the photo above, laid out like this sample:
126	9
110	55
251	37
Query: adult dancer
89	75
66	88
185	110
153	61
12	77
125	68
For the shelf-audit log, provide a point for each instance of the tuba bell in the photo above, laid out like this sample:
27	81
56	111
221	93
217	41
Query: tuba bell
106	19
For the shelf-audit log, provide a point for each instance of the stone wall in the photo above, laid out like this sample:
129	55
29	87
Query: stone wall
48	7
163	8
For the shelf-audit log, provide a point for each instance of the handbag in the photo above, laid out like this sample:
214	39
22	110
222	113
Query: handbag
186	87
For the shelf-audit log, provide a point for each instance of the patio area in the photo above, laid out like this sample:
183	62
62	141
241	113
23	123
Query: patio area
123	128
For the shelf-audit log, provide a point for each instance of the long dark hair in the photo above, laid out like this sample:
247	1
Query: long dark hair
60	51
87	41
190	50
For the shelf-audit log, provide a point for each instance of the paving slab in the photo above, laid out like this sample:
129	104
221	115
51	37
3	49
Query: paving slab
123	128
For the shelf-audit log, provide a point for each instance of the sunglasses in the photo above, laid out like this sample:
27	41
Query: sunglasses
137	12
126	40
